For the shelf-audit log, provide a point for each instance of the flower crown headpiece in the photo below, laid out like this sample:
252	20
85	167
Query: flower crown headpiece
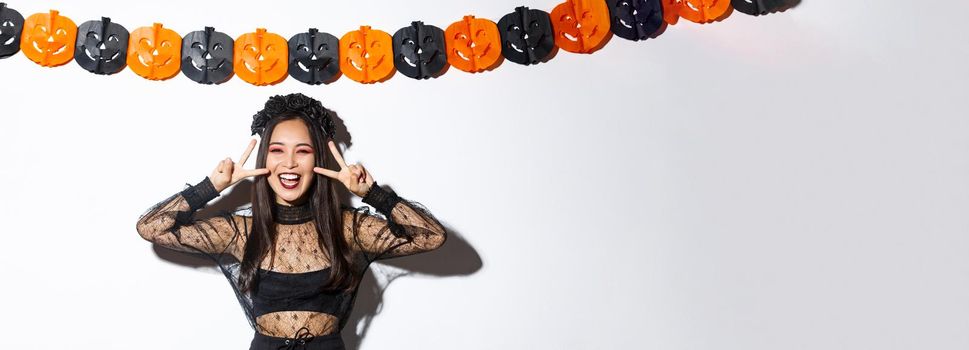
311	109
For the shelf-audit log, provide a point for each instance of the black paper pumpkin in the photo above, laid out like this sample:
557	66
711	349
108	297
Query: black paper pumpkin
635	19
314	57
419	51
11	26
207	56
526	36
756	7
102	46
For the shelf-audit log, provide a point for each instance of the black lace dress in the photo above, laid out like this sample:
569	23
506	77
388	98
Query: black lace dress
288	306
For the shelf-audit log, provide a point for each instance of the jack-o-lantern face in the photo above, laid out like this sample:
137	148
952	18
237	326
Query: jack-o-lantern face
526	36
581	26
314	57
207	56
756	7
48	39
155	52
636	19
474	44
11	26
704	11
261	57
419	51
366	55
102	46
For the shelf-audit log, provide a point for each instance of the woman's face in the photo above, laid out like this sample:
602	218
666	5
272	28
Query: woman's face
290	159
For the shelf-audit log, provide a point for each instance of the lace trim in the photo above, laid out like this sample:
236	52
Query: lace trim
382	200
201	193
196	196
292	215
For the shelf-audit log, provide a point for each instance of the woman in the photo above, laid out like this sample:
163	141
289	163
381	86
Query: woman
296	257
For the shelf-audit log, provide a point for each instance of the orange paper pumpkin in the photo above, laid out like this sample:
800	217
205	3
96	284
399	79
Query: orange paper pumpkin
581	26
261	58
155	53
704	11
671	10
48	39
367	55
474	44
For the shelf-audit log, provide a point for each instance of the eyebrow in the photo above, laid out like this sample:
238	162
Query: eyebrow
297	145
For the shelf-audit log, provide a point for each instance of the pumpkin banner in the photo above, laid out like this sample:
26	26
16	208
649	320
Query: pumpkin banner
525	36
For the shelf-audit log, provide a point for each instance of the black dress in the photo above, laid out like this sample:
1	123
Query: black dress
288	306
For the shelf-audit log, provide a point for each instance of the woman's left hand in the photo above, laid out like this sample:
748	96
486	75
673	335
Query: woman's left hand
354	176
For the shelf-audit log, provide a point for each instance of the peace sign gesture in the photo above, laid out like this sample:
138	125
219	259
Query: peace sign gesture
354	176
228	173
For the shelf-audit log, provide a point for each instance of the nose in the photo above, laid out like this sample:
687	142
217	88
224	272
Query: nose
291	160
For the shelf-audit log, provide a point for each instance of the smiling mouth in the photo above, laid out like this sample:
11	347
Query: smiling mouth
289	180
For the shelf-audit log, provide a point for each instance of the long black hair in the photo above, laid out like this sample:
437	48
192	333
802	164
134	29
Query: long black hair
327	215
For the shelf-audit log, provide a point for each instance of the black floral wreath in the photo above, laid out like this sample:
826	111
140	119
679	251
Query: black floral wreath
311	109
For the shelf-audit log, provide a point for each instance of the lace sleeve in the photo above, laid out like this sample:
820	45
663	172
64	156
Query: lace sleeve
404	228
171	223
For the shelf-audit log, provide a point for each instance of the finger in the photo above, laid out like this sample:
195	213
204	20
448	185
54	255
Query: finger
245	155
256	172
361	173
366	174
326	172
337	155
357	173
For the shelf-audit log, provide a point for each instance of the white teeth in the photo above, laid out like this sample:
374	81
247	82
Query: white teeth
289	177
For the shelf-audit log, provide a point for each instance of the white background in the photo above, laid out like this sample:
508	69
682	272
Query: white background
792	181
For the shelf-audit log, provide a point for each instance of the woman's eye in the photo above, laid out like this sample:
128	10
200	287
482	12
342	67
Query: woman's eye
304	151
275	151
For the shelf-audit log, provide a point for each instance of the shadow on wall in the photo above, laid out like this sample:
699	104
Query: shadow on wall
455	258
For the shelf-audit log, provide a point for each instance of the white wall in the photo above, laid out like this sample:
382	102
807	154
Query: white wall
794	181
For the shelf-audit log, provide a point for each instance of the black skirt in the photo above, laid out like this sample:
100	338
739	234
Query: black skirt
303	341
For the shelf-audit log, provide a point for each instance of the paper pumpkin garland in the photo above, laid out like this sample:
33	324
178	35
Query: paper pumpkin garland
102	46
314	57
207	56
636	19
48	39
473	44
11	26
421	51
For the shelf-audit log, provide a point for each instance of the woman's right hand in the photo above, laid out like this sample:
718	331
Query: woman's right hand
228	173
